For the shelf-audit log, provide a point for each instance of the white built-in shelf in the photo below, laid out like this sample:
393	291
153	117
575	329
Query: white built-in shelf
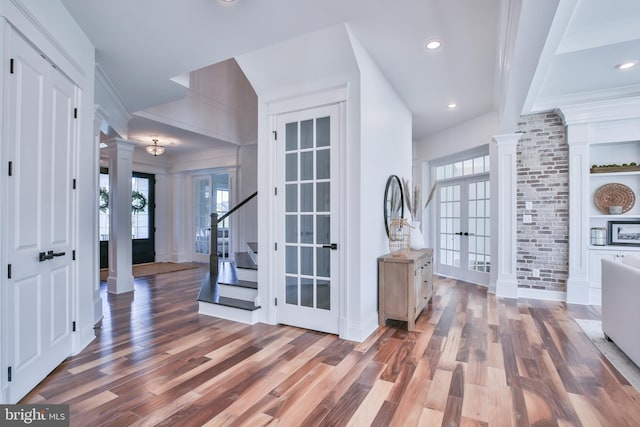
610	174
627	216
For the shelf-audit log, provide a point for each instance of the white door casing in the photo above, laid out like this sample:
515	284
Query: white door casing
307	219
41	135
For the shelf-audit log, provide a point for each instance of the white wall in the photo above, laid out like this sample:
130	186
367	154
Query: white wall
247	216
385	149
470	134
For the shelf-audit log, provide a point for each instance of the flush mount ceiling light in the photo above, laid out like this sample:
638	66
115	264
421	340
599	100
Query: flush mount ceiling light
154	149
626	65
452	106
433	44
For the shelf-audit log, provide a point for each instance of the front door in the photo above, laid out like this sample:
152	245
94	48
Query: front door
40	218
308	263
464	233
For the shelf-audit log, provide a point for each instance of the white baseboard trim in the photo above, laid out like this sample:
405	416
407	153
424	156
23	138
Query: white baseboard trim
595	296
542	294
359	333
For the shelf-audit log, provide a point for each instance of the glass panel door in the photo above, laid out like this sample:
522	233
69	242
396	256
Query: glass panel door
309	219
211	193
464	249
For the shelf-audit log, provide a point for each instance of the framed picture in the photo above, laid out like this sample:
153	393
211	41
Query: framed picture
625	233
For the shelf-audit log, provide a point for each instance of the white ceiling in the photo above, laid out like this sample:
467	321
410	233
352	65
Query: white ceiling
142	44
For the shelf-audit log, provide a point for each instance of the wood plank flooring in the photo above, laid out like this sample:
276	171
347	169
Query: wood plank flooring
473	361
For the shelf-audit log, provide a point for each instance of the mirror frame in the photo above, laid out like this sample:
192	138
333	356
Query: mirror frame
392	182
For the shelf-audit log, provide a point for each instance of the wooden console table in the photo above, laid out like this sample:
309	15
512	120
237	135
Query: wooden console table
405	286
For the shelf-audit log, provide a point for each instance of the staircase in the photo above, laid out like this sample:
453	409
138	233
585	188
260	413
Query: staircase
234	295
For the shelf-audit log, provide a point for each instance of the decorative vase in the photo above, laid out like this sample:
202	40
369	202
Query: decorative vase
417	240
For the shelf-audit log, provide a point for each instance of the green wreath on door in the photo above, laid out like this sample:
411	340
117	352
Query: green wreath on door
138	201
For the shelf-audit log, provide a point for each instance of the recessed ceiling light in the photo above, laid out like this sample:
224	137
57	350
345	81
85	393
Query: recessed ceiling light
452	106
626	65
433	44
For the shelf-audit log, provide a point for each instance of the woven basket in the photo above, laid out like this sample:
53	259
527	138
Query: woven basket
399	237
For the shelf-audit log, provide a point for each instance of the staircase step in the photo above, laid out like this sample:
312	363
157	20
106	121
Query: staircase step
243	260
227	310
236	291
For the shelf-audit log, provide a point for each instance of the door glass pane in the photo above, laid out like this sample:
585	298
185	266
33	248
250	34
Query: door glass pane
292	259
292	136
203	212
306	259
306	197
291	290
306	229
323	235
104	206
291	204
139	208
323	197
306	134
322	132
324	262
291	235
322	164
322	296
306	165
306	292
292	167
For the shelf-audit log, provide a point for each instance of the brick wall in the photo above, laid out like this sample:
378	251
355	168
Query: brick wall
543	166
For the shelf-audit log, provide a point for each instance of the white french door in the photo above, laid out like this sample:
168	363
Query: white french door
307	223
212	194
464	249
40	217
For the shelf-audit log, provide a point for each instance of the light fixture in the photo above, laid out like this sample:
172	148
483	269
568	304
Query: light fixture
452	106
155	149
433	44
626	65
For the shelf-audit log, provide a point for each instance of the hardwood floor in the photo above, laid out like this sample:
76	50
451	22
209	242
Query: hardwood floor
473	361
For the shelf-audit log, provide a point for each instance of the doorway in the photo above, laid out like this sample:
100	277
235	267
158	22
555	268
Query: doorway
212	194
142	218
463	224
307	222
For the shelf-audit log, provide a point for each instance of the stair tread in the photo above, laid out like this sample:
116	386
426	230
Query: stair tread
243	260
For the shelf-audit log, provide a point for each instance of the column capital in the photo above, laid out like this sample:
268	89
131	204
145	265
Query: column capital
119	144
507	139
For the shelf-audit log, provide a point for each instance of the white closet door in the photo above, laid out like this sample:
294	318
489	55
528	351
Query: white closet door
40	145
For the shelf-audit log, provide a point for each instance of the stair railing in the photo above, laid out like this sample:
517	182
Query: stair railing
213	253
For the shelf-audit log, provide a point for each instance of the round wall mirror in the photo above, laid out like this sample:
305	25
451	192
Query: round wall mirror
393	201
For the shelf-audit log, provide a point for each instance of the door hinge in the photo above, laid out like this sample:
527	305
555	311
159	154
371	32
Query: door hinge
73	255
75	113
276	301
275	245
73	326
11	66
74	183
275	135
9	374
9	271
10	168
275	191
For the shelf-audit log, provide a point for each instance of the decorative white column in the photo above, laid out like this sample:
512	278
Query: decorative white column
120	278
504	280
578	279
179	201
